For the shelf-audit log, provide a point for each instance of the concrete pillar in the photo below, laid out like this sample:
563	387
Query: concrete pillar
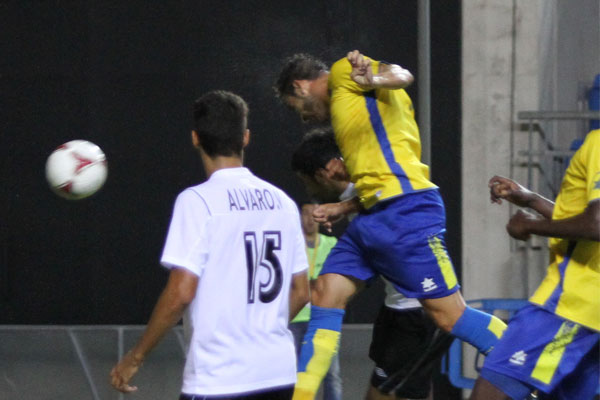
499	73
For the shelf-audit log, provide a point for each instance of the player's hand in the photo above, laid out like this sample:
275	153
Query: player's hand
362	73
518	225
328	214
509	190
122	373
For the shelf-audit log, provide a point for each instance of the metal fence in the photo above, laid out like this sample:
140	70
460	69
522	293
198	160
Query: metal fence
39	362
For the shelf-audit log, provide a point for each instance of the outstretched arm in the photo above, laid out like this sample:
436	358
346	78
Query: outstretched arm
179	292
389	76
502	188
584	226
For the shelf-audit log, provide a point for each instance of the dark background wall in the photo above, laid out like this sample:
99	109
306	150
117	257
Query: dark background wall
124	75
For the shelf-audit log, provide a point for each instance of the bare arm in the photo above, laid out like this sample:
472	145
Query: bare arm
329	213
389	76
299	294
585	226
179	292
502	188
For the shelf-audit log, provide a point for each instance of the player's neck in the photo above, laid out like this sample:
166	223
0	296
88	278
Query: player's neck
211	165
311	239
320	87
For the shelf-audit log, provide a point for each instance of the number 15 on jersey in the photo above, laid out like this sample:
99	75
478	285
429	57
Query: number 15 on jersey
261	258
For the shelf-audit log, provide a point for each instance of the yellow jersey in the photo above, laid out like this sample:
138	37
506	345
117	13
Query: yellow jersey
378	137
571	288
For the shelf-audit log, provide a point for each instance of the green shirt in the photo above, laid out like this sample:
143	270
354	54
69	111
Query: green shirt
315	261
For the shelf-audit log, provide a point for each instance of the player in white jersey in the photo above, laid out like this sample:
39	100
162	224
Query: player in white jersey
236	256
406	344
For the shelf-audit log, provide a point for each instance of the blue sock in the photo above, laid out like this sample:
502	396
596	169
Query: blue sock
480	329
320	319
318	348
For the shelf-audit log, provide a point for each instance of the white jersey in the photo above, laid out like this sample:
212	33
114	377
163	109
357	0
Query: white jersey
393	298
396	300
242	237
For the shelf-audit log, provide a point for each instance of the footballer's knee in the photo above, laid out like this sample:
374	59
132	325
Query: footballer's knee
374	394
333	291
445	311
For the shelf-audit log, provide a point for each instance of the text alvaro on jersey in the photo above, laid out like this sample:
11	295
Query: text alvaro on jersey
251	200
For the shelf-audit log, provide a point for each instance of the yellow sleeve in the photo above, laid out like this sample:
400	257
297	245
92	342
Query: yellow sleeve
340	76
591	156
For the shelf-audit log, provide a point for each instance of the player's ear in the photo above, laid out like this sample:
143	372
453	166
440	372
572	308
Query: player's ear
195	139
321	175
246	139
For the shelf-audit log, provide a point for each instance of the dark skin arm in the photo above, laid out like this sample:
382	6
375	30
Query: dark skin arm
511	191
585	226
177	295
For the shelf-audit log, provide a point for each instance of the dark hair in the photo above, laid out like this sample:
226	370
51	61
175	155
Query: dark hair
314	151
297	67
220	121
302	201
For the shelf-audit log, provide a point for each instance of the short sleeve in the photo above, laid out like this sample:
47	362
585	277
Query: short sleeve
340	76
186	244
591	158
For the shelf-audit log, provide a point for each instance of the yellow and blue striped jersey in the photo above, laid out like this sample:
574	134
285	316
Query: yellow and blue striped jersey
571	288
378	137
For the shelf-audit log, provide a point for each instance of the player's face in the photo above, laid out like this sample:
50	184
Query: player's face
310	108
309	226
317	189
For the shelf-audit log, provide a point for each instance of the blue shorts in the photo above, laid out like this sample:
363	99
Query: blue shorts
403	240
540	350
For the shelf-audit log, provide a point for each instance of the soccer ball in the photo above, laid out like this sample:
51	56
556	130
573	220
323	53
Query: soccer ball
76	169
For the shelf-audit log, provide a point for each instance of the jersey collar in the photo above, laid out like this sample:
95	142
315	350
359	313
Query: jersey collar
238	171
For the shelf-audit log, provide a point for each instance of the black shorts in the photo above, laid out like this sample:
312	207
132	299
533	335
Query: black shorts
278	393
406	346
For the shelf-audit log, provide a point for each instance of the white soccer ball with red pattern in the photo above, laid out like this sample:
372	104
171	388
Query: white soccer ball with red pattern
76	169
